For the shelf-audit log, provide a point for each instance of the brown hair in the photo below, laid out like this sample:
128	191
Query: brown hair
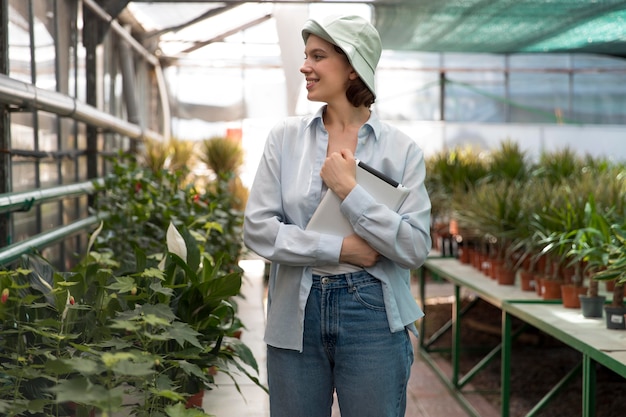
358	94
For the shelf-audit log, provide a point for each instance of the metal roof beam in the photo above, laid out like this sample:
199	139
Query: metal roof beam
204	16
221	37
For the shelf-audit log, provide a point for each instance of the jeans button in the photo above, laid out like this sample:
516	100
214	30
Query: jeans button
325	281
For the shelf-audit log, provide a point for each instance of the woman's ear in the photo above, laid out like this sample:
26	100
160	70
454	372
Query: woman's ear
353	75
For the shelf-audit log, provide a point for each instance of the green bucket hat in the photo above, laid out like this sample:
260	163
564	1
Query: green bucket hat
356	37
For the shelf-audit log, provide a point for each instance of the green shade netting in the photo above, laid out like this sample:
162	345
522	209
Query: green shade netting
503	26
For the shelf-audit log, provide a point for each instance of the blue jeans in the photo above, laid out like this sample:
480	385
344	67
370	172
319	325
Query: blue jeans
348	347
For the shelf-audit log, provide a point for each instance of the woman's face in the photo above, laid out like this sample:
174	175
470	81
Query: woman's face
327	71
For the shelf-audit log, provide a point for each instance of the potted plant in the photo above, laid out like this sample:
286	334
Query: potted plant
563	212
132	318
536	193
616	271
494	209
96	338
449	175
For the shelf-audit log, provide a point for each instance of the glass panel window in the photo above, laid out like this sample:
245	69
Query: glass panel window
477	96
539	97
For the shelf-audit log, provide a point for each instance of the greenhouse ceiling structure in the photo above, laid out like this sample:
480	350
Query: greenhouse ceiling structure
490	26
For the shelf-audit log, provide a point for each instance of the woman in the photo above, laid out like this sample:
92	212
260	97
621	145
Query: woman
339	308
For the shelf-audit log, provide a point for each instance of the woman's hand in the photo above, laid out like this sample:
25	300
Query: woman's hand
339	172
357	251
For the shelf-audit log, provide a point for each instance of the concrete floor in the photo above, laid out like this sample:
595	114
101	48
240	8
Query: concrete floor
427	396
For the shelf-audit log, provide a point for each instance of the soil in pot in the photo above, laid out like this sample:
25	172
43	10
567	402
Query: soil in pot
592	306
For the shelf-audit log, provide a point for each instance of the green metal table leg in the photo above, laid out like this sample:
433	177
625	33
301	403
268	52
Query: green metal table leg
589	387
505	370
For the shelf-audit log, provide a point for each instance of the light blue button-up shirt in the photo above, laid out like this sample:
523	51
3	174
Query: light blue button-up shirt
288	188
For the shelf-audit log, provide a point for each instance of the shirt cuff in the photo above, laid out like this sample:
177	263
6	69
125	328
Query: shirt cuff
355	203
329	249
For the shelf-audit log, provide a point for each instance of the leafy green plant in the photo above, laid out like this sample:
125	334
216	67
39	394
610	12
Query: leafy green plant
509	163
96	338
616	265
494	210
224	157
451	171
559	165
589	244
140	203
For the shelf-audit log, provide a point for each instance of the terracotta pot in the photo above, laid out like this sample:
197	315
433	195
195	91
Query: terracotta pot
195	400
494	266
538	279
476	259
527	280
464	255
505	275
550	289
570	293
485	264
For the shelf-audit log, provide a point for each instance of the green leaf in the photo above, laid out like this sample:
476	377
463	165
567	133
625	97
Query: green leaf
153	273
82	391
192	369
160	310
127	325
132	368
245	354
84	366
182	332
123	284
155	320
225	287
160	289
169	394
110	359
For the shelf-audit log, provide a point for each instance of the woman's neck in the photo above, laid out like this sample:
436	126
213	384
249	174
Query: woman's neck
345	117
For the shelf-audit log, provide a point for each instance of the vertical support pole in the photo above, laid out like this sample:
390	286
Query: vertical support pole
5	124
91	26
589	387
442	94
505	370
456	335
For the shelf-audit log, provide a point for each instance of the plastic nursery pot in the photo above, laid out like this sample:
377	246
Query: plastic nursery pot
591	306
615	317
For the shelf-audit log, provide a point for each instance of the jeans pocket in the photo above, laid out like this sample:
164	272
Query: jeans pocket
370	295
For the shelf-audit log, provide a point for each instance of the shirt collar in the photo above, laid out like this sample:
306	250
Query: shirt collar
373	122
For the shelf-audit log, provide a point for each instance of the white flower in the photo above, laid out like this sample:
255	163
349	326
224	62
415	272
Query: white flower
176	243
